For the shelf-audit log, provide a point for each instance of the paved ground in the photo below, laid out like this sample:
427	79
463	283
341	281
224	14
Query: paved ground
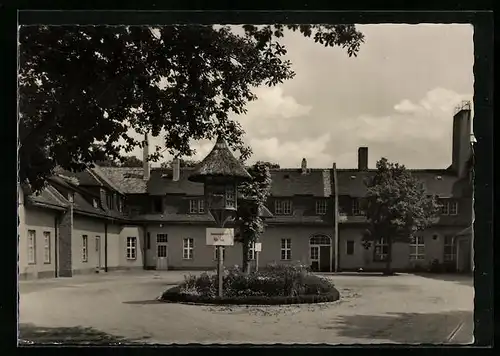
372	309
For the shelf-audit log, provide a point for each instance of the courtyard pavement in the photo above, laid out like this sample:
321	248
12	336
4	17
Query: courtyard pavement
372	309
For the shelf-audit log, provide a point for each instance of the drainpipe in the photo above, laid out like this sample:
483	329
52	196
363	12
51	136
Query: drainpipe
336	217
56	244
105	246
145	247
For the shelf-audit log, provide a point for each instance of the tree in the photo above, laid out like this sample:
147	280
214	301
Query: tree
396	206
183	163
82	88
254	197
131	161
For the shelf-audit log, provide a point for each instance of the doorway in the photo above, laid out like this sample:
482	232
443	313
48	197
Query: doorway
320	253
162	252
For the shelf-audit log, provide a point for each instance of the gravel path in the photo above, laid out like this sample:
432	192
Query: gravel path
372	309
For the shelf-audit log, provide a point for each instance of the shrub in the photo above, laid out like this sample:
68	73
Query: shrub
273	281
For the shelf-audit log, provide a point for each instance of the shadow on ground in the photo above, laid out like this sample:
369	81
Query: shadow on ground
463	279
407	328
30	334
144	302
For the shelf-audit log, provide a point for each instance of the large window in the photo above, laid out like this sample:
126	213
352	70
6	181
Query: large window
216	253
31	246
321	206
448	207
449	249
85	252
286	249
109	201
131	248
46	247
187	249
417	248
197	206
283	207
381	250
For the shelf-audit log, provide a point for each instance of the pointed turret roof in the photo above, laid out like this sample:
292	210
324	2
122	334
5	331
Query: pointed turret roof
220	163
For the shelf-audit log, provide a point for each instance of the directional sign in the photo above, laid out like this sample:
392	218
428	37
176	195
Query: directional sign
220	237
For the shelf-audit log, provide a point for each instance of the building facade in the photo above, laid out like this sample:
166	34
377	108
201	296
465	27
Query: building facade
108	218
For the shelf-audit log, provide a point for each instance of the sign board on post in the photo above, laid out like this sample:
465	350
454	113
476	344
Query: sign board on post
258	247
220	237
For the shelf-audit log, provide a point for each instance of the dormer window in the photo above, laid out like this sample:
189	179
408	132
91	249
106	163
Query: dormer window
283	207
95	203
197	206
120	204
321	206
109	201
71	197
356	211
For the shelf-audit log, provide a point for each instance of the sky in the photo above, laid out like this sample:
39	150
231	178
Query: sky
397	97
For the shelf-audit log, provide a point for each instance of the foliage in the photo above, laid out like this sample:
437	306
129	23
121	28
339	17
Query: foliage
273	281
131	161
84	89
396	205
183	163
254	197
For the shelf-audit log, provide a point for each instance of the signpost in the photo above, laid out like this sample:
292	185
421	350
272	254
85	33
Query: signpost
220	237
257	247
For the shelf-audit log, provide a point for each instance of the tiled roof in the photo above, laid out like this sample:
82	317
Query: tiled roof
288	182
127	180
439	182
46	197
161	183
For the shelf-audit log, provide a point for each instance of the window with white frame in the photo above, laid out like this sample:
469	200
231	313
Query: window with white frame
444	207
85	254
197	206
94	203
230	197
131	248
355	207
381	250
321	206
417	248
46	247
31	246
283	207
216	253
286	249
449	249
71	197
251	252
453	207
187	248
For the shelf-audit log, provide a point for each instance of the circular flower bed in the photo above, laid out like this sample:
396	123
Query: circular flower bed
275	284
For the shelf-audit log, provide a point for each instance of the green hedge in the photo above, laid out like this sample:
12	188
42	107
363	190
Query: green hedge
175	295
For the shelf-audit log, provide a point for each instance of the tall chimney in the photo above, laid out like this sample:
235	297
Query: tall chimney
176	168
304	166
145	161
461	141
363	158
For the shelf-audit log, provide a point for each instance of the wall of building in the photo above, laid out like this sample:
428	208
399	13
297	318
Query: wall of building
363	258
124	261
92	228
113	246
39	220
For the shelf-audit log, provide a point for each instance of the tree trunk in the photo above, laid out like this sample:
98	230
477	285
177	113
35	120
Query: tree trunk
245	265
388	269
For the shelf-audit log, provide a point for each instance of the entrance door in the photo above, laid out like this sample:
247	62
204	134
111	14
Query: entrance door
98	251
324	259
314	257
161	256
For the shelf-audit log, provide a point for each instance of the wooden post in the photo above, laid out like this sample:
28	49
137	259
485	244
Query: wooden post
256	260
220	271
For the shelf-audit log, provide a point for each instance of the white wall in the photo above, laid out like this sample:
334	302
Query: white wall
138	233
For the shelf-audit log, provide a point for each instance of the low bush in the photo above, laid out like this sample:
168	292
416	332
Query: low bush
287	284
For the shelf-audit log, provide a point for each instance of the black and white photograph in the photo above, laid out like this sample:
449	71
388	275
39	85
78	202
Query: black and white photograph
246	184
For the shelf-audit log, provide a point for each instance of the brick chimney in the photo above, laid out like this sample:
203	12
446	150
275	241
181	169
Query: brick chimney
145	154
461	141
303	166
176	169
363	158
